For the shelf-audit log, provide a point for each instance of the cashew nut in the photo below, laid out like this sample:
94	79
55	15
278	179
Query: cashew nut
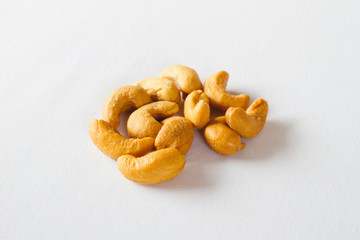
142	122
197	108
160	89
177	132
221	138
152	168
187	79
250	122
121	100
110	142
215	89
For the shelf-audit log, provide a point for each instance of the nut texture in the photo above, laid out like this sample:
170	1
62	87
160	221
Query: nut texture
248	123
197	108
160	89
215	89
152	168
186	78
221	138
121	100
142	122
177	132
113	144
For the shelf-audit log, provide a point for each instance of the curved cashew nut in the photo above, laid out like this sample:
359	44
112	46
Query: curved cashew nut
142	122
248	123
160	89
177	132
215	89
121	100
187	78
221	138
197	108
152	168
110	142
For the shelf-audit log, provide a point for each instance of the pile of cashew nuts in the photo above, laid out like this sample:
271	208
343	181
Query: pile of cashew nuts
155	99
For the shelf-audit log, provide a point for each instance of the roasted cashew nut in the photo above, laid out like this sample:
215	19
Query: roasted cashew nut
186	78
160	89
122	100
248	123
215	89
197	108
110	142
177	132
142	122
221	138
152	168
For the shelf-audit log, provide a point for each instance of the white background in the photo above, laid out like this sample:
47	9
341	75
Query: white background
298	179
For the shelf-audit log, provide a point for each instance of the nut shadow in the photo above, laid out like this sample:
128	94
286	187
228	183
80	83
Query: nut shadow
122	129
272	140
214	113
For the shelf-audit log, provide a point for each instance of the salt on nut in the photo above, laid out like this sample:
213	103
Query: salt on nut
186	78
177	132
248	123
160	89
122	100
113	144
155	167
197	108
221	138
215	89
143	121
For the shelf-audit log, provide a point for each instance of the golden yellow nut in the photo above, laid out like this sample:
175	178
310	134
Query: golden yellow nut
142	122
113	144
248	123
160	89
197	108
221	138
121	100
152	168
186	78
215	89
177	132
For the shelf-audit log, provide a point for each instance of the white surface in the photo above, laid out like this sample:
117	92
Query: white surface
299	179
